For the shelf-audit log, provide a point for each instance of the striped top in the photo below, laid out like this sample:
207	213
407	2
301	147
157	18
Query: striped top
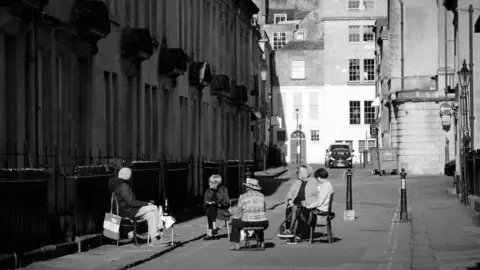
251	206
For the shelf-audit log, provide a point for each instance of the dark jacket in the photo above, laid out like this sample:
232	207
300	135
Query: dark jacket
128	206
223	201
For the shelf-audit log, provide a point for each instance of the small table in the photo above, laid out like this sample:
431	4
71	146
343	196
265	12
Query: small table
169	222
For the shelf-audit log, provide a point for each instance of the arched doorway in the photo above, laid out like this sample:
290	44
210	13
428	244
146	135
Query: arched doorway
298	148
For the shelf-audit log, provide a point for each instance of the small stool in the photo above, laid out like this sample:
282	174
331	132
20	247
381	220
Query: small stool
255	237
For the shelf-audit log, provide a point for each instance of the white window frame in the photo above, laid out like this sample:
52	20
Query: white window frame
298	69
354	117
354	34
282	138
365	71
279	40
315	135
368	116
357	72
371	7
282	17
371	35
300	34
351	6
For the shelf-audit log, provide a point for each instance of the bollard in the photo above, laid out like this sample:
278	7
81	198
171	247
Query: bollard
349	213
403	196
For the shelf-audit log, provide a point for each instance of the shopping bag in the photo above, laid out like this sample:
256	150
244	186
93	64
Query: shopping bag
111	226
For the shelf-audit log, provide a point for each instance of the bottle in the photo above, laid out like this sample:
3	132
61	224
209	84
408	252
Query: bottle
166	210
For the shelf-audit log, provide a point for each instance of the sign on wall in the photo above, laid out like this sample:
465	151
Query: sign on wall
445	110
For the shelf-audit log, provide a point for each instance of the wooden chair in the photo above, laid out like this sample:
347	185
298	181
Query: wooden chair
329	215
129	223
255	236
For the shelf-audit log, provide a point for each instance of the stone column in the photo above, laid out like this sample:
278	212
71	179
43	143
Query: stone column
418	138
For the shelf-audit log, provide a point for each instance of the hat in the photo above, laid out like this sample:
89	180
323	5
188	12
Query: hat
253	184
125	173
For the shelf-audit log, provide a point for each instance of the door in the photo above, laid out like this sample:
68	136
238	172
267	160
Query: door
298	148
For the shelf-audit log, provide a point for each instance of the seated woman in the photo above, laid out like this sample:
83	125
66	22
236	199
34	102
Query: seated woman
216	203
250	212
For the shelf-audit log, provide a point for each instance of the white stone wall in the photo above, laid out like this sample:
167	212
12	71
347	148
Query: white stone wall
420	138
333	121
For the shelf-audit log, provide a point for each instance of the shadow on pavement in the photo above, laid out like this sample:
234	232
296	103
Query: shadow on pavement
325	241
270	185
477	267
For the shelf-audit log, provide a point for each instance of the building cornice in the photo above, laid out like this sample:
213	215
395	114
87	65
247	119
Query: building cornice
347	18
400	97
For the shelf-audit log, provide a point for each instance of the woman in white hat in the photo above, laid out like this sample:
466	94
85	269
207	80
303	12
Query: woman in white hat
251	212
130	207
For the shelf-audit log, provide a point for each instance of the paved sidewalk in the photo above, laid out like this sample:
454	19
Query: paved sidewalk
125	256
446	233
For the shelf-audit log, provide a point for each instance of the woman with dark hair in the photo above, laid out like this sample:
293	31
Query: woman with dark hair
216	203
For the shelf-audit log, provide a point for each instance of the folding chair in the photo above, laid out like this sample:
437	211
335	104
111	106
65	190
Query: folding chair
329	215
128	222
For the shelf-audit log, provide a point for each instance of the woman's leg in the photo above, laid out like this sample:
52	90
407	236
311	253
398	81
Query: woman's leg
263	224
237	225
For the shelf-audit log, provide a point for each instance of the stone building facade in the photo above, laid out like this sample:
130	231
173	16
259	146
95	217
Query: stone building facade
153	80
318	33
165	80
409	115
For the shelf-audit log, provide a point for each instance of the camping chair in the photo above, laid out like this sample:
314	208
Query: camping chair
128	222
328	216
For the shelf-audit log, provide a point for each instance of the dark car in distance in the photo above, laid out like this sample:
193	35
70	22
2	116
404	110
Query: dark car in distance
340	158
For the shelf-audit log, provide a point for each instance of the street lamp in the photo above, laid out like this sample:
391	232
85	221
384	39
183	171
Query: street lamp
297	135
263	77
464	76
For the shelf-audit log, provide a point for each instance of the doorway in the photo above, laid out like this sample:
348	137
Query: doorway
298	148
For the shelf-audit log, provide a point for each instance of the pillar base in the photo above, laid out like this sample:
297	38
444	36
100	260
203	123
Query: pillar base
349	215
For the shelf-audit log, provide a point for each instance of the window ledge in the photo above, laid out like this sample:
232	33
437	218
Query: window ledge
297	79
361	83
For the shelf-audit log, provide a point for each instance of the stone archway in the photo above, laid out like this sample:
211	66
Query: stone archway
298	147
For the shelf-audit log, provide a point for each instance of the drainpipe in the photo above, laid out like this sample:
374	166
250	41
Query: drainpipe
472	104
33	93
446	58
402	59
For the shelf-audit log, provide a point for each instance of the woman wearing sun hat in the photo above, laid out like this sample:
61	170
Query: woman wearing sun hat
251	212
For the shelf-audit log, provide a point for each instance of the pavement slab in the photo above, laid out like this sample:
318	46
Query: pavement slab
441	233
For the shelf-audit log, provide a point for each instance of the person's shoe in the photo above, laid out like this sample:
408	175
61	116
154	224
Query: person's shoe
286	234
215	231
155	241
235	246
209	237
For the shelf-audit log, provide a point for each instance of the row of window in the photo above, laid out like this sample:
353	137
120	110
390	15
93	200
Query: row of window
315	137
354	112
368	112
354	70
366	5
355	32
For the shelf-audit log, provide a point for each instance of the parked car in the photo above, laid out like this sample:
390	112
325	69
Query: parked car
340	158
332	147
449	168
